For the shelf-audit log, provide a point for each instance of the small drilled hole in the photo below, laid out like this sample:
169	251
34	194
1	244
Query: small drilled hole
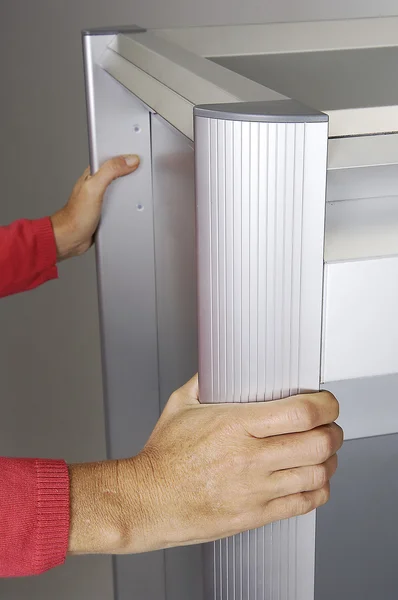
140	207
137	129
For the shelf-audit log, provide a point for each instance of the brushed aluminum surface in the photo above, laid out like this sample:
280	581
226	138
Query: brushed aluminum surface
260	234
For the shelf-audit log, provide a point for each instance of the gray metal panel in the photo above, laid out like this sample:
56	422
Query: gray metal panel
175	255
272	111
119	124
368	407
357	531
331	80
174	205
260	226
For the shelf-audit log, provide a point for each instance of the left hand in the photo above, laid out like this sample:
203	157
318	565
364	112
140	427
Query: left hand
75	224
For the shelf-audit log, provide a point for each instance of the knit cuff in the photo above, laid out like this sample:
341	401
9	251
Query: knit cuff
52	505
46	246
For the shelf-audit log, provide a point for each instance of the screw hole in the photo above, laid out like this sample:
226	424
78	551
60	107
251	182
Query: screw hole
137	129
140	207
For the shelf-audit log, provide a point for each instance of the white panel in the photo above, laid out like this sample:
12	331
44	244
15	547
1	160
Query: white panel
367	182
366	228
363	121
260	220
368	151
360	337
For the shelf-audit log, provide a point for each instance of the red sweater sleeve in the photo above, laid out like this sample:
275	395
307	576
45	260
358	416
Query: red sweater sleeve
34	494
28	255
34	515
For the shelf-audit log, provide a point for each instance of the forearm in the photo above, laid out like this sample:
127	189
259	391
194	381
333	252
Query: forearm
27	255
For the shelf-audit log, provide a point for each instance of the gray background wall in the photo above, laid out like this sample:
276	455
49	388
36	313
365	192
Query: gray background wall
50	374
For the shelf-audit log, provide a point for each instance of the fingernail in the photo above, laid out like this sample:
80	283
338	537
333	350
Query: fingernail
132	160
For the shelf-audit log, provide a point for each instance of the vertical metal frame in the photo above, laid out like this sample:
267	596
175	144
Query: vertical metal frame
260	184
120	124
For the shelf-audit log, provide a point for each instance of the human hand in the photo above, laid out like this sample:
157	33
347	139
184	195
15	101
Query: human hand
75	224
211	471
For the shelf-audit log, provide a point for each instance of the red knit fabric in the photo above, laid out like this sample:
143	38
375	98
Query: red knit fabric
34	515
34	494
28	255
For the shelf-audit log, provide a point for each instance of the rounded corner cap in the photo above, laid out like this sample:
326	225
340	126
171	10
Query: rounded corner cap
272	111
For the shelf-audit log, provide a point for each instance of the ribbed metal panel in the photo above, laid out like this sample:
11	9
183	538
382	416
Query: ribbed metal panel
260	228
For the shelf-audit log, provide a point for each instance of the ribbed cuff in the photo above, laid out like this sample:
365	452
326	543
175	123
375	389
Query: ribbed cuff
52	533
46	246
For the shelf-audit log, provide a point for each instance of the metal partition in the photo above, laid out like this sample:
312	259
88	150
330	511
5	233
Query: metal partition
267	327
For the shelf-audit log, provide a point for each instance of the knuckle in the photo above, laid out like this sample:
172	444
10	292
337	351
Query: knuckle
331	466
305	503
339	435
333	403
309	501
319	476
323	496
324	444
305	413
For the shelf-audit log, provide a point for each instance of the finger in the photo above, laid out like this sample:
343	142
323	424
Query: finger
302	449
114	168
289	415
302	479
295	505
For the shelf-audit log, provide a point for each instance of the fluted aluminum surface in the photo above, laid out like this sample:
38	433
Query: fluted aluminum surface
260	229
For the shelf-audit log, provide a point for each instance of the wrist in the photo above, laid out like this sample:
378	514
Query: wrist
110	509
95	509
65	239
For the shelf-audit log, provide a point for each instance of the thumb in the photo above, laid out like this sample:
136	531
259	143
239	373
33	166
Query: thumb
114	168
188	394
191	390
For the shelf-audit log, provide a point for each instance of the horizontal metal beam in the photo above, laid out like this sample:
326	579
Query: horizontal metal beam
277	38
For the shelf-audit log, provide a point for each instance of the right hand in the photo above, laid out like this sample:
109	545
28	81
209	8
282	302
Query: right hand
211	471
208	472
